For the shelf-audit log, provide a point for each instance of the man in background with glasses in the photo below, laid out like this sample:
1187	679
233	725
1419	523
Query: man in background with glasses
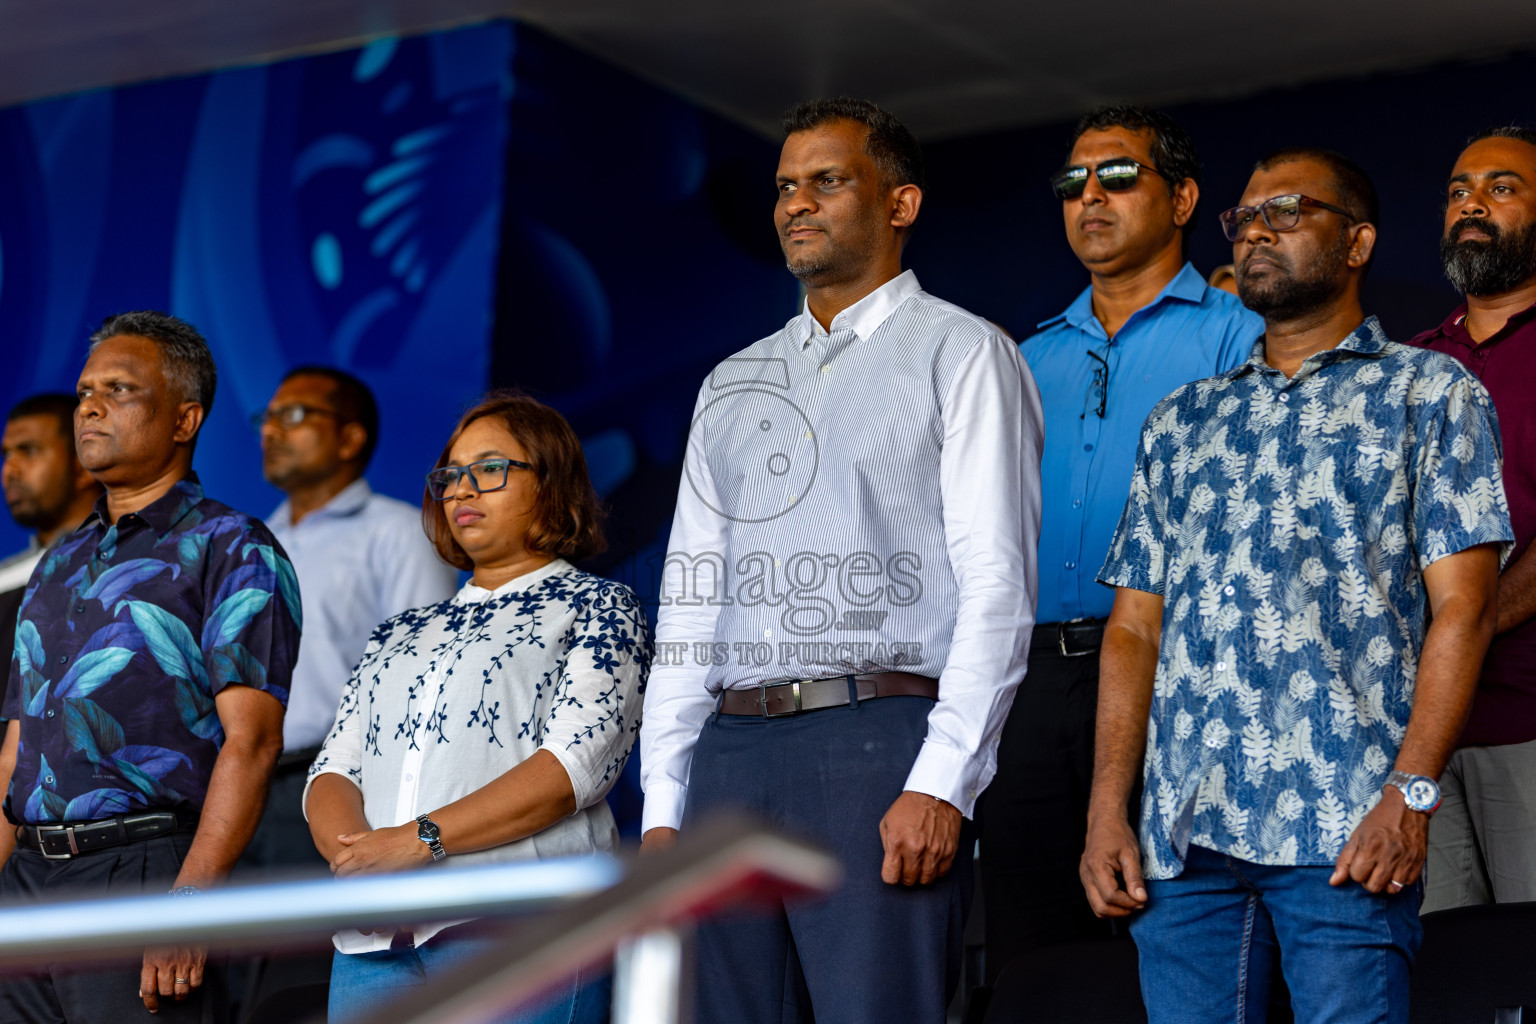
360	557
1146	324
1482	842
1306	576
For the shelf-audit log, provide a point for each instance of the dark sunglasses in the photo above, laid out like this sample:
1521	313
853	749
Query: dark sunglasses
1281	213
288	416
485	475
1114	176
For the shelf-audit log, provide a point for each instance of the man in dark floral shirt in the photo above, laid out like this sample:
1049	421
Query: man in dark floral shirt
150	673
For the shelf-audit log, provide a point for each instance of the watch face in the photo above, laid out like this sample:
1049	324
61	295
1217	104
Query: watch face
427	830
1423	793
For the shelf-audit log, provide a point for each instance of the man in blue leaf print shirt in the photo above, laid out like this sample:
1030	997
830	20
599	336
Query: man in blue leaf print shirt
151	668
1306	574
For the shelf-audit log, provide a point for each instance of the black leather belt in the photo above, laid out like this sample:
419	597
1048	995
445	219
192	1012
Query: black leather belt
779	700
1072	639
61	842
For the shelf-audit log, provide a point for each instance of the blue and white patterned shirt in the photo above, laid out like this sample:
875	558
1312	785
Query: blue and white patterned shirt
1286	524
449	697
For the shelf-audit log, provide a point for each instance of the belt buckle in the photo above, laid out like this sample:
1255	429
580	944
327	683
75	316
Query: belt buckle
1061	639
762	699
69	833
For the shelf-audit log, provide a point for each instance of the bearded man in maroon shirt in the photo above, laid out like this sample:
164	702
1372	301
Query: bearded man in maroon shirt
1482	842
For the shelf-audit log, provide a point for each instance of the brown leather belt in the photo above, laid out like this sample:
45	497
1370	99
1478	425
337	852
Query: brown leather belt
780	700
61	842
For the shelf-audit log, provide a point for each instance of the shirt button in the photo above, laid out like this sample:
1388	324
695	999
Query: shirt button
1284	397
50	780
1229	590
826	369
1221	666
63	658
1077	503
409	777
777	563
1087	447
1071	565
767	633
79	609
50	712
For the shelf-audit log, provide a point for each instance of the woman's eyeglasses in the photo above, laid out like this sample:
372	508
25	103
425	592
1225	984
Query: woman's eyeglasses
1282	213
1114	176
288	416
485	475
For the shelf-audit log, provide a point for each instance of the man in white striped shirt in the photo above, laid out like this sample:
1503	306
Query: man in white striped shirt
848	594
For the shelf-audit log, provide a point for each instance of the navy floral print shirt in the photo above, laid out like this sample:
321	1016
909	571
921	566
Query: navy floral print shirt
126	633
1287	524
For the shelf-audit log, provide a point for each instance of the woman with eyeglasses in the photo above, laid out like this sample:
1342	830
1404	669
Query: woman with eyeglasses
489	727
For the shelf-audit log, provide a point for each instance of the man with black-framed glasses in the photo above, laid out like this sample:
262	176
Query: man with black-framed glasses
1146	324
360	557
1306	578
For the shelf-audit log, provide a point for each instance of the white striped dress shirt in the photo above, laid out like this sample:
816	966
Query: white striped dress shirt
856	501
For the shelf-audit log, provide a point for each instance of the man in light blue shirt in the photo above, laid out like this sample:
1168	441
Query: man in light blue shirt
360	557
1147	324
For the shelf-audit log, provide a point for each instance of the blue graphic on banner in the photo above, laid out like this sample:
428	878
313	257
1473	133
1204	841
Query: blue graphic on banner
342	209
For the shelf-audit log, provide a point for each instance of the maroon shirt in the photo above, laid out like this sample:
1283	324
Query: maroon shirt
1505	708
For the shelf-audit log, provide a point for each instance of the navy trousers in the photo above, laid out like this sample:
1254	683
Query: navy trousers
870	952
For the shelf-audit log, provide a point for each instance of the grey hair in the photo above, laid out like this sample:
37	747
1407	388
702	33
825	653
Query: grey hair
184	354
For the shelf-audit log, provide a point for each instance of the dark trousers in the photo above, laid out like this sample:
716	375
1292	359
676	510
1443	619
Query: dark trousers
1034	815
870	952
66	993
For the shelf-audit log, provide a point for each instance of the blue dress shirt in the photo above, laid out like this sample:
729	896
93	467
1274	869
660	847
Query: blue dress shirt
361	557
1189	332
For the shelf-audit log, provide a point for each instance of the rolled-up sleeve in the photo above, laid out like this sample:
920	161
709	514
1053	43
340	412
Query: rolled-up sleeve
595	709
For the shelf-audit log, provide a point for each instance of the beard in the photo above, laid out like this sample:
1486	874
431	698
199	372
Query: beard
1501	264
843	256
1287	294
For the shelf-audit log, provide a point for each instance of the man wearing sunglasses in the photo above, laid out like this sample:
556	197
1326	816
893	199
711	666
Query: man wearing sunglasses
1146	324
1305	579
1482	842
360	557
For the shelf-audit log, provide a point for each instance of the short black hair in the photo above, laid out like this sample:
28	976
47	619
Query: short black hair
354	402
1173	151
1518	132
890	144
188	364
53	403
1355	189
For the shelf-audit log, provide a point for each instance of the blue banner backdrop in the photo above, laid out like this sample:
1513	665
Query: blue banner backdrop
340	209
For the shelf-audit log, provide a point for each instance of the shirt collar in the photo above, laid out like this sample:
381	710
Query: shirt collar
1366	340
1455	325
348	501
1187	286
471	594
866	315
164	512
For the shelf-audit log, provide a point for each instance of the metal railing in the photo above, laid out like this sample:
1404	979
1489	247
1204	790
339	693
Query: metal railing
556	918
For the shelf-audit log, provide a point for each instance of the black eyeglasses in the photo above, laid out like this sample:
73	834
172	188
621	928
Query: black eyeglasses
1099	383
288	416
1281	213
1114	176
485	475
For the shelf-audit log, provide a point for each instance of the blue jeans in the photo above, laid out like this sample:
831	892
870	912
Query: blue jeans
1208	939
362	982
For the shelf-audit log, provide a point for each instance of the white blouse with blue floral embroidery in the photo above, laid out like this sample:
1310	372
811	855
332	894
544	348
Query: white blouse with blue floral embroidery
448	697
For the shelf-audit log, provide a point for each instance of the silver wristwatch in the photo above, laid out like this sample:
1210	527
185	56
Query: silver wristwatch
1420	792
426	831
